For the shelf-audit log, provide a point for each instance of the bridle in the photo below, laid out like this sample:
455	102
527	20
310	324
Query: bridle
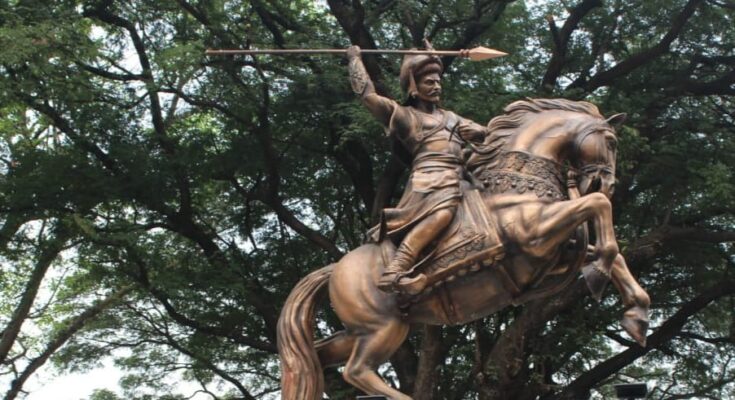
592	170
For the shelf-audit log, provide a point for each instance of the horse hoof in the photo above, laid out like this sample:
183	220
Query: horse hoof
636	325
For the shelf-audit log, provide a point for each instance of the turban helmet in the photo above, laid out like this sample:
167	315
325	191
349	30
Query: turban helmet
415	66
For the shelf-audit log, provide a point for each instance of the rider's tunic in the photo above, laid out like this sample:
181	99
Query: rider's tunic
434	183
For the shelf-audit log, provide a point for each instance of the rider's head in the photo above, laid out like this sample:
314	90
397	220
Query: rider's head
421	77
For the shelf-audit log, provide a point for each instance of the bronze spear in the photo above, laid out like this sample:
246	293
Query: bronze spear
475	54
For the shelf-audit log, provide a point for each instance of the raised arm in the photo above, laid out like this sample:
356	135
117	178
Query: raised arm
381	107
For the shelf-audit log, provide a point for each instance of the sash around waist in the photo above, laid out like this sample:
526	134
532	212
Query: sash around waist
439	160
432	171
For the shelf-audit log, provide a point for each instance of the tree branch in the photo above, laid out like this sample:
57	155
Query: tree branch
171	341
641	58
430	357
505	361
647	246
111	75
48	254
723	85
269	196
476	27
159	125
356	161
72	327
163	298
352	20
668	330
561	40
710	340
268	20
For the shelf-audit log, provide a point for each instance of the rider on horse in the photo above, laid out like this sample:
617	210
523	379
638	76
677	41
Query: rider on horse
434	138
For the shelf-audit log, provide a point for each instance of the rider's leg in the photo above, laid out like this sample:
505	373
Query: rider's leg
415	241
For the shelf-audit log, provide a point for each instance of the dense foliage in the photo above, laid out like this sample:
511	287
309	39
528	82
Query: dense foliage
157	205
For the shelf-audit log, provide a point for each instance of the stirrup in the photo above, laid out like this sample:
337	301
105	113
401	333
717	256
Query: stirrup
411	285
388	279
398	282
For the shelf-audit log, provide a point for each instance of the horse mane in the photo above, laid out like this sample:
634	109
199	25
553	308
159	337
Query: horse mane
503	127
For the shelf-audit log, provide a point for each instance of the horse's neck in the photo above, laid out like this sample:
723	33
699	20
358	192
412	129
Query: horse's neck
549	139
548	135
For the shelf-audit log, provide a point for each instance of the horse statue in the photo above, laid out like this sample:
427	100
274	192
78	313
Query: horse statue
521	236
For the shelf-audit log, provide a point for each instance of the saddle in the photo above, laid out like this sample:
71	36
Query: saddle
469	243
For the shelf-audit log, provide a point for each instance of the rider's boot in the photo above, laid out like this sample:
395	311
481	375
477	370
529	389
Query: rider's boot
394	277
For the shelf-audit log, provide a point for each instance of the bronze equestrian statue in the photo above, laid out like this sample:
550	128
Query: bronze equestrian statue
518	233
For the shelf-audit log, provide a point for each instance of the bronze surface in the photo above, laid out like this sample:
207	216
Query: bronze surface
521	236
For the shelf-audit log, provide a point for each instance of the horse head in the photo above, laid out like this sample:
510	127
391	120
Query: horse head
593	156
559	131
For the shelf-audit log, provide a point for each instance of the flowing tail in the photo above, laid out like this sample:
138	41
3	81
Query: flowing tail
301	372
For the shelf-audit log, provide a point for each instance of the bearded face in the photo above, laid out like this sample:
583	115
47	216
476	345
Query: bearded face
429	88
421	77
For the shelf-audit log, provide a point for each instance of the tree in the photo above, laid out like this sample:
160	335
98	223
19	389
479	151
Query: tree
157	205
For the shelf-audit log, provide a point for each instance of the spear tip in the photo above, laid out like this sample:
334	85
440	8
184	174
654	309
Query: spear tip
483	53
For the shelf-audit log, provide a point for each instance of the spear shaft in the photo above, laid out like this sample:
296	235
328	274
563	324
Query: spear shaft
478	53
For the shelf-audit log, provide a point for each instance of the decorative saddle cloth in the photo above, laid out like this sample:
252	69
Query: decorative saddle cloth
470	242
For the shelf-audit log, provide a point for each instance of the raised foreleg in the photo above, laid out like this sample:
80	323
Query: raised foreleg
635	300
597	208
539	228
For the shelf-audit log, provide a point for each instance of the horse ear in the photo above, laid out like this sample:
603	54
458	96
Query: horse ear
617	120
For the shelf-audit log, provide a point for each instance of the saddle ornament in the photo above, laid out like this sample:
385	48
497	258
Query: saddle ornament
521	172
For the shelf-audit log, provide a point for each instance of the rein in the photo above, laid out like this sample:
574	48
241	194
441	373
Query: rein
592	168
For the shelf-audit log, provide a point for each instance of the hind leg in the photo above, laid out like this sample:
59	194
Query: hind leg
371	350
335	350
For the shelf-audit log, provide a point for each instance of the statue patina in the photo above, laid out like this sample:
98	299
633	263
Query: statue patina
434	139
452	252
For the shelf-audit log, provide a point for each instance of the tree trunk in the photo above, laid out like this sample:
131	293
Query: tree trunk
62	337
429	360
48	255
